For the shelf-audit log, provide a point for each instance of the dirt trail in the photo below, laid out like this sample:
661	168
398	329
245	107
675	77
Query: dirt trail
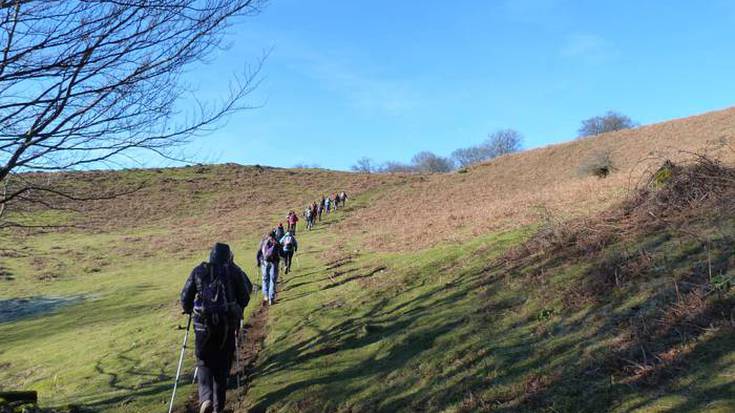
254	336
255	332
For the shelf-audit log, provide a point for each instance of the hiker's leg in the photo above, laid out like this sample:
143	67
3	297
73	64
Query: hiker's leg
204	382
265	278
268	278
274	282
220	375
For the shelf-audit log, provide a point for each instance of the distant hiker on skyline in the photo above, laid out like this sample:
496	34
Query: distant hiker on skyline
289	249
292	220
215	294
268	258
279	231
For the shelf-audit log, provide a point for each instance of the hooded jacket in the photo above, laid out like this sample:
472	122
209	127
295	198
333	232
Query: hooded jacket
220	264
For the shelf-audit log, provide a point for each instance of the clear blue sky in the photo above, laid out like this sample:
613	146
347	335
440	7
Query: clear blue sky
386	78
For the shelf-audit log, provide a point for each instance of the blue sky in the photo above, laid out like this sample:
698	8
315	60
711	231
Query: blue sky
386	79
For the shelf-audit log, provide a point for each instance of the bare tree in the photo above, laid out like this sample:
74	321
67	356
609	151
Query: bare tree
609	122
465	157
396	167
503	142
365	165
429	162
498	143
86	82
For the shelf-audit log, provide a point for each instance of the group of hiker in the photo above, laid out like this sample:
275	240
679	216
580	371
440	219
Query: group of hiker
313	212
217	292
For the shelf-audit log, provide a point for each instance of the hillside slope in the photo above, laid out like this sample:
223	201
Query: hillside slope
516	286
89	313
629	310
519	189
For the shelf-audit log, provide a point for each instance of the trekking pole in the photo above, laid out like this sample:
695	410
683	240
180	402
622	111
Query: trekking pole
237	352
181	361
237	359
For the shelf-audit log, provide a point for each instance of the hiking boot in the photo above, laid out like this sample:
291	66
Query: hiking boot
271	301
206	407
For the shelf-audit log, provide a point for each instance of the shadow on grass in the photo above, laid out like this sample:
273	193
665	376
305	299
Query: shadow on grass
481	341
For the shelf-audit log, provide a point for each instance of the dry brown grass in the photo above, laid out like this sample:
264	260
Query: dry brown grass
182	210
517	189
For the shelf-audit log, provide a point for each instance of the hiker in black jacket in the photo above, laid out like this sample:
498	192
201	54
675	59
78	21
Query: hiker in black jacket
215	293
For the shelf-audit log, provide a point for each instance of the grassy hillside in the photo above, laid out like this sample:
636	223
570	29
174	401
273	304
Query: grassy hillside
518	285
111	343
519	189
617	312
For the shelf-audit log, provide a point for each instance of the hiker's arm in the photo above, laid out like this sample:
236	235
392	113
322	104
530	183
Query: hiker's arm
242	290
188	293
259	256
247	289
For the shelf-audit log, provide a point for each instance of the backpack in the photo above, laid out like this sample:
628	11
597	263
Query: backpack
269	250
288	241
212	302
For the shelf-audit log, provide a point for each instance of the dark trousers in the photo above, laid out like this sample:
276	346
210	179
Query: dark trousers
287	258
212	384
214	359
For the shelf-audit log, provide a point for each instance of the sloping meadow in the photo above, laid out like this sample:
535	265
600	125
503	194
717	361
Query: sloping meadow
560	181
110	339
627	310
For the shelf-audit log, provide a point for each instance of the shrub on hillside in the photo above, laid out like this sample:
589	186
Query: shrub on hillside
600	164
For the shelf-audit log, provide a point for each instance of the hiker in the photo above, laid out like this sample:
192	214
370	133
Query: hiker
268	257
279	232
289	249
343	198
335	197
292	220
215	294
308	214
319	210
327	205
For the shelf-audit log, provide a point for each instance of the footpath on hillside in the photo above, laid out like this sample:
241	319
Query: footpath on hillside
253	339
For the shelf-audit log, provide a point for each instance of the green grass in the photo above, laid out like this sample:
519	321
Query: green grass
117	349
446	329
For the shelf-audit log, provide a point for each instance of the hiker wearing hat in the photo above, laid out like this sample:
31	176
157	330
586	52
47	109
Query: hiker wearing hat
215	293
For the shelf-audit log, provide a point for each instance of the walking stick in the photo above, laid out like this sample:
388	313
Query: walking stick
237	358
237	353
181	361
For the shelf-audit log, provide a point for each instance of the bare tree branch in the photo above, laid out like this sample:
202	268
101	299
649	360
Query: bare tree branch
83	82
